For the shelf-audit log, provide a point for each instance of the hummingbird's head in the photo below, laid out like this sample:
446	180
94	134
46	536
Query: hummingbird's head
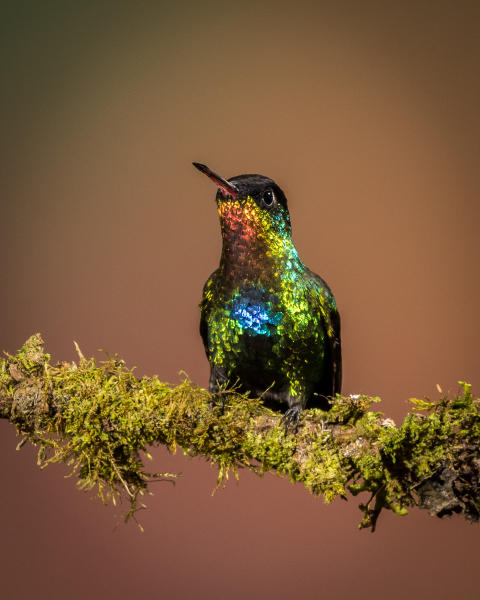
253	211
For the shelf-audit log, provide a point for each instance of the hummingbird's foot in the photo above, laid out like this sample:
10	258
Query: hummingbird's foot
291	418
220	400
217	387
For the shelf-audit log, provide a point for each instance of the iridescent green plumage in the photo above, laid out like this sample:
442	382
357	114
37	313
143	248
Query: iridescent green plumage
267	322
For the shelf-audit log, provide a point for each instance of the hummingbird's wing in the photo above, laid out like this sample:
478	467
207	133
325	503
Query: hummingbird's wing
336	352
210	293
204	329
206	307
331	382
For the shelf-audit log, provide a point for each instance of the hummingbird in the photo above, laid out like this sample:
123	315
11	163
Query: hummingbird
268	323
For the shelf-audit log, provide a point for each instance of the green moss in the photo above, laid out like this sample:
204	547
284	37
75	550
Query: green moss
100	418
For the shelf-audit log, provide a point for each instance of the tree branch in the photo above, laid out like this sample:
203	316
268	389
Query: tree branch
98	418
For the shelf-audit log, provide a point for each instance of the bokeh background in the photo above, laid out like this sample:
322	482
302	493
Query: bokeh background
366	114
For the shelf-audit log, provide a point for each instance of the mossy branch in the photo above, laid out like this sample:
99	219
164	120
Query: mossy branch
97	418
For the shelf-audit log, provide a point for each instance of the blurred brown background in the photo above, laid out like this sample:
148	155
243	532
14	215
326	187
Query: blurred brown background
366	114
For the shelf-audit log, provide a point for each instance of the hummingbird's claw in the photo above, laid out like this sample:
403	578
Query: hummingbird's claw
291	417
220	400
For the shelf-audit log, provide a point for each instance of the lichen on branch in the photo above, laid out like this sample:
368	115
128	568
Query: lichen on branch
100	420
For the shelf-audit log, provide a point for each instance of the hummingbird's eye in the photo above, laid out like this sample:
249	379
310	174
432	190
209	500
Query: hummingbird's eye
268	198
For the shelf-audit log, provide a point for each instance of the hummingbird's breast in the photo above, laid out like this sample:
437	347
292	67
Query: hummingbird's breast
267	331
261	315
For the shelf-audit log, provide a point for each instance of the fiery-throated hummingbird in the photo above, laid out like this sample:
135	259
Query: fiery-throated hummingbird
268	323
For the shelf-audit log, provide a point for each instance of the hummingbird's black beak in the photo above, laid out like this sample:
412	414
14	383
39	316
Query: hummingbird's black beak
227	188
